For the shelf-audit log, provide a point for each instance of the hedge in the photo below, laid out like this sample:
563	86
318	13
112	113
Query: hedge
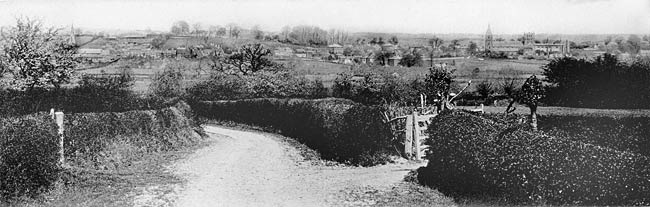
29	155
472	155
623	133
88	134
339	129
28	159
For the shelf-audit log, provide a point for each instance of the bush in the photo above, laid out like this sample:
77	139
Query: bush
169	82
338	129
29	158
471	155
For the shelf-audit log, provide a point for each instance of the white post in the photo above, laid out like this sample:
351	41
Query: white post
422	100
59	121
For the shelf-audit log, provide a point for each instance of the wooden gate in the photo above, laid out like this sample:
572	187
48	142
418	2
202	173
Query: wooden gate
412	130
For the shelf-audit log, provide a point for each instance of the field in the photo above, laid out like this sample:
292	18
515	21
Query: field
144	71
490	69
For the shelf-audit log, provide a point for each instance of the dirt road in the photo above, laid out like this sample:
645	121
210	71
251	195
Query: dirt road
244	168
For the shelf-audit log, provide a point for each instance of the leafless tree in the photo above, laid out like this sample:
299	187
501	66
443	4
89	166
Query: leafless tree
258	34
233	30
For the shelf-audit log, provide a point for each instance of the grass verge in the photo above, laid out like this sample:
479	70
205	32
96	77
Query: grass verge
123	186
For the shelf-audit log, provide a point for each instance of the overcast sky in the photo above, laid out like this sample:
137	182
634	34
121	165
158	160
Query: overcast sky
407	16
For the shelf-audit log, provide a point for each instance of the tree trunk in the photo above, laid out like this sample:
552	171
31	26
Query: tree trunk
533	117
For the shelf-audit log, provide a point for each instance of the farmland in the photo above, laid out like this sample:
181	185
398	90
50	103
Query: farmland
404	113
489	69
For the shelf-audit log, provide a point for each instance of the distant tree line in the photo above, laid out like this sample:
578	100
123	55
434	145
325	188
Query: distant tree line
631	45
183	28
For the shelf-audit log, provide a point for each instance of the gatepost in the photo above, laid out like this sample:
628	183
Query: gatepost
58	118
408	137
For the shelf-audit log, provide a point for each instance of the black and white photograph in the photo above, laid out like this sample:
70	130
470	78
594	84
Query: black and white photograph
389	103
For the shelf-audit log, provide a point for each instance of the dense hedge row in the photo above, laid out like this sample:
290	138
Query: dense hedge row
88	134
620	133
472	155
28	155
75	100
339	129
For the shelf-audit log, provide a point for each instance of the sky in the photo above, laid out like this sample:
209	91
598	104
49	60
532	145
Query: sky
403	16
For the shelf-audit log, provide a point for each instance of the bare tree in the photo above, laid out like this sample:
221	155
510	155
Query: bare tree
286	30
213	30
250	59
338	36
454	46
435	43
258	34
233	30
197	29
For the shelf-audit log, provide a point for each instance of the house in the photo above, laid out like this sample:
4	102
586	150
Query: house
394	60
335	49
283	52
137	40
388	47
510	51
93	55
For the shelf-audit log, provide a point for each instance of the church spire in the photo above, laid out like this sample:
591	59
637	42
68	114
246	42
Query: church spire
488	38
489	31
73	39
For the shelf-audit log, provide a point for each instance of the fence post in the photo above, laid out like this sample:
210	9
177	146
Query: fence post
408	137
415	137
59	122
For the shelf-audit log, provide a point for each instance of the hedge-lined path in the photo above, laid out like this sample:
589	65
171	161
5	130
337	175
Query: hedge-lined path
247	168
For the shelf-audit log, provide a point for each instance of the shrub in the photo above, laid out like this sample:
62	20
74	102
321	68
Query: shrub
471	155
169	82
338	129
29	158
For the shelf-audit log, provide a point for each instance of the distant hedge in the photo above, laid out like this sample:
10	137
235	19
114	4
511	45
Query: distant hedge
339	129
28	155
472	155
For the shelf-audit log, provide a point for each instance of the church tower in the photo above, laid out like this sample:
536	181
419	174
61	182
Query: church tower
489	39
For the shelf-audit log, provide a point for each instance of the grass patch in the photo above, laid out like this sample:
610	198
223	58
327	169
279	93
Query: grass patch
113	187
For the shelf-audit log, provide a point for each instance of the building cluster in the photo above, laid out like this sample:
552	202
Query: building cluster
526	47
102	49
386	54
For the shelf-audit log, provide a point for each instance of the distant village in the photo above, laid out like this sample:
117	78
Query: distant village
94	48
